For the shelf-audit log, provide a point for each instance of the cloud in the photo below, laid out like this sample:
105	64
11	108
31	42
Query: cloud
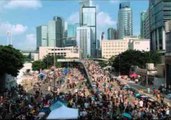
30	41
15	29
115	1
104	19
31	37
73	18
12	4
25	41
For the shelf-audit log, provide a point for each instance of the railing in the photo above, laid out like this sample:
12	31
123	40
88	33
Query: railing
89	80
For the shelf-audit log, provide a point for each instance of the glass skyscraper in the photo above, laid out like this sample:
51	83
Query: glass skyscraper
142	18
51	33
111	34
159	13
125	24
41	34
84	36
71	34
88	18
55	32
72	29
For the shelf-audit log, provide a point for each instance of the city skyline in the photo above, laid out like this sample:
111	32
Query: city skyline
22	17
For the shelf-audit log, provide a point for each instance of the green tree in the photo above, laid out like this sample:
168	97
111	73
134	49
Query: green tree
49	60
11	60
152	57
123	62
37	65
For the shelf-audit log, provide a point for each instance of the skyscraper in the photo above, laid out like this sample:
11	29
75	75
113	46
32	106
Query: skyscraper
41	34
72	30
168	54
71	34
88	18
125	24
55	32
142	18
59	31
146	25
84	36
159	13
111	34
51	33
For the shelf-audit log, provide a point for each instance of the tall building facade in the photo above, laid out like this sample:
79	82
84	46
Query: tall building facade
59	31
146	25
55	32
51	33
111	34
168	54
142	18
159	13
88	18
125	24
84	37
41	35
72	30
71	34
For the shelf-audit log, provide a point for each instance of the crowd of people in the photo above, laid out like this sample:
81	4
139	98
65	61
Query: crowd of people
104	99
122	101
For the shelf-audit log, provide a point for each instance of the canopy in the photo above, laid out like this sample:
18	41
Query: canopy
127	115
56	105
63	112
133	75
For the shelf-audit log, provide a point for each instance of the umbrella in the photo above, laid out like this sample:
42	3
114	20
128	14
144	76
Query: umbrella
137	95
56	105
45	110
127	115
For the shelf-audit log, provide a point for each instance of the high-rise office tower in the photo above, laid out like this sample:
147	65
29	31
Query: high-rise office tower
146	25
84	36
72	30
71	34
142	18
41	34
125	24
88	18
55	32
168	54
59	31
51	33
111	34
159	13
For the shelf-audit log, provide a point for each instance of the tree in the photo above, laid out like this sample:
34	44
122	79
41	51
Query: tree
11	60
37	65
123	62
49	60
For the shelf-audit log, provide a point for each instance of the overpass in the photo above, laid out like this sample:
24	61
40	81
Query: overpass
99	59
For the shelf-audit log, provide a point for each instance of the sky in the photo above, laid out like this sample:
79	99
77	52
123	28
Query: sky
21	17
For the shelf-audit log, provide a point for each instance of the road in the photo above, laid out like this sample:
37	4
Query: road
140	88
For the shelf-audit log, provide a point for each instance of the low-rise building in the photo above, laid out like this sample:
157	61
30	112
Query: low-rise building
138	44
67	52
115	47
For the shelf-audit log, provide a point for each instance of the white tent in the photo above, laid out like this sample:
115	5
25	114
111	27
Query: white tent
63	113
